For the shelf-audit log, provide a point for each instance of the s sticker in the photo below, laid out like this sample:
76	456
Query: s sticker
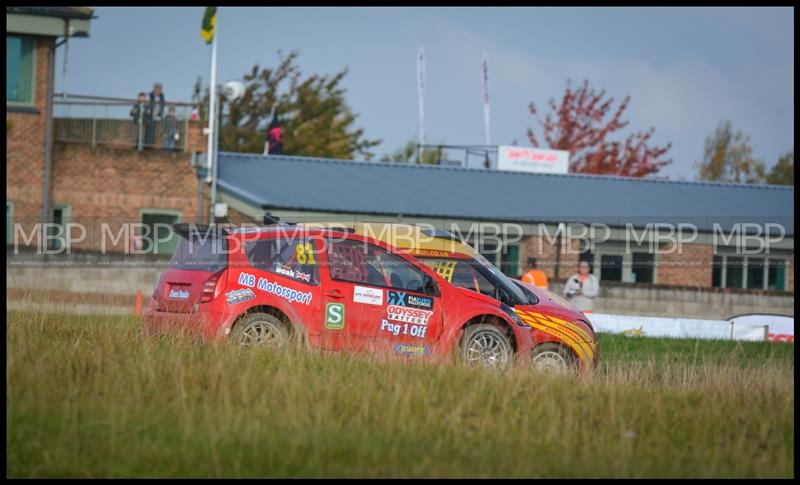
334	316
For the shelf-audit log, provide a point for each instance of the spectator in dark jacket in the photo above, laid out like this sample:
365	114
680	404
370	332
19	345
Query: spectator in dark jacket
171	134
139	113
156	114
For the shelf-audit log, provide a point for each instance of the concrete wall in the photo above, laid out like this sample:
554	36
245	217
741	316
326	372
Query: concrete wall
686	303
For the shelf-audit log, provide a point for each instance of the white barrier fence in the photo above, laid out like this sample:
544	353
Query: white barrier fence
746	327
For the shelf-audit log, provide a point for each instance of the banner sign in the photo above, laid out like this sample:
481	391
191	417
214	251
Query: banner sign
539	160
635	326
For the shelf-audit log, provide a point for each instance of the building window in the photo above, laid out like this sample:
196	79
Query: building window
57	230
776	277
509	261
157	236
9	223
716	272
19	69
756	272
642	268
611	267
734	272
504	257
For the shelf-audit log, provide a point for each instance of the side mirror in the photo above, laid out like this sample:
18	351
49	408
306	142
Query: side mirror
429	286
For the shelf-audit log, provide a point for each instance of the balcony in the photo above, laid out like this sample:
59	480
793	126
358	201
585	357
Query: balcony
114	122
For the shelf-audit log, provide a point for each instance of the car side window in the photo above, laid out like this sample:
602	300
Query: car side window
461	274
294	258
359	262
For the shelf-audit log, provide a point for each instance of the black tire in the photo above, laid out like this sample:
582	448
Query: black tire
261	329
553	358
486	345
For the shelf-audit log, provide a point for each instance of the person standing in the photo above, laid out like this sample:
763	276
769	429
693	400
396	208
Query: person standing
274	144
139	113
156	114
171	134
582	288
535	276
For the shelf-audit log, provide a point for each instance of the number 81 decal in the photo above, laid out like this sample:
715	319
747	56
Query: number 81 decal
304	253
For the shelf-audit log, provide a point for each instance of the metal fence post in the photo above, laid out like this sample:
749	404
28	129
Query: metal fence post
185	130
94	126
141	134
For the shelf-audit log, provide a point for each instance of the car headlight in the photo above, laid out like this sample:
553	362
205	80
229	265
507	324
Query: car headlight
513	315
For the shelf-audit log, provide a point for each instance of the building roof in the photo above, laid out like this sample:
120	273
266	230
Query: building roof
327	185
61	12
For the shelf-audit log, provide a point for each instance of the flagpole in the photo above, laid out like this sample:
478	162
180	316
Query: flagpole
486	107
212	112
421	99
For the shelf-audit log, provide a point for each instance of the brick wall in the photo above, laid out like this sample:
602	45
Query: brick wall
545	253
112	185
689	266
25	144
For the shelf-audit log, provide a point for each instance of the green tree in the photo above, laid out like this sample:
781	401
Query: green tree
408	154
783	171
729	158
314	116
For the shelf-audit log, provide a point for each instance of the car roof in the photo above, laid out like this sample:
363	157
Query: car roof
415	239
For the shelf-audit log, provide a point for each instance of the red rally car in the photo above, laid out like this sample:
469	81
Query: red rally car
337	289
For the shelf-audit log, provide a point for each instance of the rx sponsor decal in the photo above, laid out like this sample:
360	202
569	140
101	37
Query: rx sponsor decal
404	299
410	349
275	288
239	296
370	296
334	316
179	294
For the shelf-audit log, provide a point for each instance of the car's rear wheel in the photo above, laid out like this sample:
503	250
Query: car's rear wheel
553	358
486	345
261	329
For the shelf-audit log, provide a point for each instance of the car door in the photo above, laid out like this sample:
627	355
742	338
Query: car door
283	272
382	297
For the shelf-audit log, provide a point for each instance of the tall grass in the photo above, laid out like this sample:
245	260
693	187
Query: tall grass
91	397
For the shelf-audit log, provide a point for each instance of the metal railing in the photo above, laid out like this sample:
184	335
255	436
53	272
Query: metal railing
121	122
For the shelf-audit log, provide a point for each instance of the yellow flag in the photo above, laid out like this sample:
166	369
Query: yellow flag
209	22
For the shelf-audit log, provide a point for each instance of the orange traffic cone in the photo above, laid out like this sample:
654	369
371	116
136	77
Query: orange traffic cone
137	306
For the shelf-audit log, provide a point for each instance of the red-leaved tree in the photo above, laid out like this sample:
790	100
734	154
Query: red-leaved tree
580	125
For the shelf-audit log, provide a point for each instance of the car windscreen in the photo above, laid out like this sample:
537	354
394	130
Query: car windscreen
200	251
518	294
473	275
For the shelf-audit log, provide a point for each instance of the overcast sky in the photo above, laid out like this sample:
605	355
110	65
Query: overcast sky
685	69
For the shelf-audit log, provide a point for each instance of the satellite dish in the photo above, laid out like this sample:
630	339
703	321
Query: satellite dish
233	90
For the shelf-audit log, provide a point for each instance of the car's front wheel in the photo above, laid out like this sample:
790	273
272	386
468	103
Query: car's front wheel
485	345
553	358
261	329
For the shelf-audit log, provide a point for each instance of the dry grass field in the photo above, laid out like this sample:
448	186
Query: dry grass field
89	396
